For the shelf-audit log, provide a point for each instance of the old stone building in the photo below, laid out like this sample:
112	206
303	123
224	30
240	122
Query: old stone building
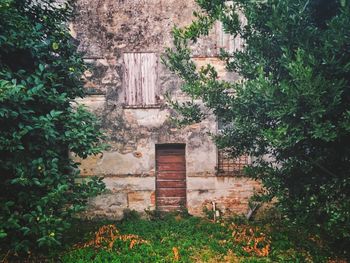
151	163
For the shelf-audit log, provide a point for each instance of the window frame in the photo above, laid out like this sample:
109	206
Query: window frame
127	103
231	163
231	167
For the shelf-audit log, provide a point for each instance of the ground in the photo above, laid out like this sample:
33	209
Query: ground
183	238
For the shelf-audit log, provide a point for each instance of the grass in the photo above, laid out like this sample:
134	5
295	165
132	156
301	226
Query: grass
182	238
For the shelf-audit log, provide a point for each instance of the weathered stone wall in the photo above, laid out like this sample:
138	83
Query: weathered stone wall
105	29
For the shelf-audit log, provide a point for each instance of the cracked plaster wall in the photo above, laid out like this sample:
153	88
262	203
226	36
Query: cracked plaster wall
105	29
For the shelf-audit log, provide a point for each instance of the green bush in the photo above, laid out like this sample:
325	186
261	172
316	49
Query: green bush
40	76
290	111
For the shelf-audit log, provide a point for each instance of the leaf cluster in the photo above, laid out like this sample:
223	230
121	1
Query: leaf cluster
40	76
291	110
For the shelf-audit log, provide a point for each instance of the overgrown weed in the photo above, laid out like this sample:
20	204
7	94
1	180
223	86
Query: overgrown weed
179	237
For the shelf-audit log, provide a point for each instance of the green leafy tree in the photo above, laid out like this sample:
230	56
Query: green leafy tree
291	111
40	76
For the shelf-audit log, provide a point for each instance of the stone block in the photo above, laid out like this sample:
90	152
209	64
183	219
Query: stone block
130	183
109	205
94	103
201	183
140	200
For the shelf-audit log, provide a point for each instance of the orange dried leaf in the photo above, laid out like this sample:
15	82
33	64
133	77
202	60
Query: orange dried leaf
176	254
132	243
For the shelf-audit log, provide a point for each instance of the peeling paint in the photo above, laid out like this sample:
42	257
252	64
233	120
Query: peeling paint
106	30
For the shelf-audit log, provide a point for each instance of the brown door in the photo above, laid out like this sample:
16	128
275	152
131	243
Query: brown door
171	177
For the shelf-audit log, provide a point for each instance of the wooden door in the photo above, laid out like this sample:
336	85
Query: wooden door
171	177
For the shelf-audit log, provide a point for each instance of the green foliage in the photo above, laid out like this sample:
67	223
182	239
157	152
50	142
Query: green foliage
131	214
197	240
291	110
40	76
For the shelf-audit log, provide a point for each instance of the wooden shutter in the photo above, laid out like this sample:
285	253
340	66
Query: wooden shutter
226	41
140	79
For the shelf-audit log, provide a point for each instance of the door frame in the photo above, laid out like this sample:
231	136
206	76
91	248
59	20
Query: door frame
159	145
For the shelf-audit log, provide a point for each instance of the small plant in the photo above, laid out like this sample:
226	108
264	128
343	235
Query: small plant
209	213
212	214
184	212
131	215
154	214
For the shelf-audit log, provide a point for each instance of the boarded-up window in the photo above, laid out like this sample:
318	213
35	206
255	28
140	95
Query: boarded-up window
228	166
227	41
140	79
